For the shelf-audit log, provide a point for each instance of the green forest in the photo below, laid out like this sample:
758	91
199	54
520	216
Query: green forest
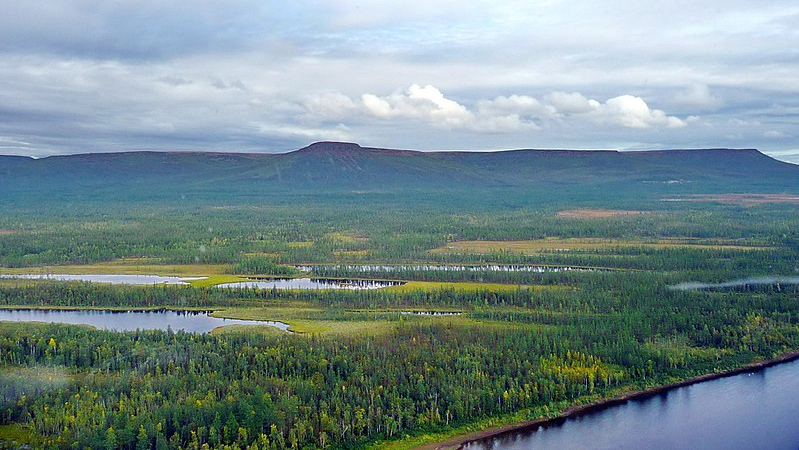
601	317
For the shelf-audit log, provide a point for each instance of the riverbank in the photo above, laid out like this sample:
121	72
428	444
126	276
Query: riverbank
458	441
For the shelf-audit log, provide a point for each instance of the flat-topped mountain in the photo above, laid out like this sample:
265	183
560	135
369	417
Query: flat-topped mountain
326	167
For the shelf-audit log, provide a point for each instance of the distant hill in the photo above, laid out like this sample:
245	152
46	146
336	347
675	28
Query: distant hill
330	167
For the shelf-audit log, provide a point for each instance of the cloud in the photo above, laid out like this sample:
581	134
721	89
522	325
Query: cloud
633	112
571	103
136	29
775	134
425	103
698	97
337	133
329	106
502	114
625	110
248	75
515	105
13	145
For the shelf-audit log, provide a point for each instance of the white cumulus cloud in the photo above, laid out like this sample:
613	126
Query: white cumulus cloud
418	102
502	114
571	103
514	104
633	112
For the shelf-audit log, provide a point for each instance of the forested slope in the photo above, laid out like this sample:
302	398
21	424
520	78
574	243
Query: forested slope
342	167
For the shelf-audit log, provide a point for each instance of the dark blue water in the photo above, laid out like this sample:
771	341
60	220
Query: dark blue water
758	410
190	321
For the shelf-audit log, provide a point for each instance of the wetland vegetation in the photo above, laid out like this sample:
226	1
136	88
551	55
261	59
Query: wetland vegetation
359	371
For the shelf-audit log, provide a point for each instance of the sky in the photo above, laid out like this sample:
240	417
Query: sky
80	76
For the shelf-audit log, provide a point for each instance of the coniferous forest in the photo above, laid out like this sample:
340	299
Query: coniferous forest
557	295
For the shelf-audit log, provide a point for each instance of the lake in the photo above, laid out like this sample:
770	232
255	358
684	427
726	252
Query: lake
113	279
745	411
266	283
190	321
313	283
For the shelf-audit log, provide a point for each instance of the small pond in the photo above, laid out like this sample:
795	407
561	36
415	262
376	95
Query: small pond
189	321
113	279
432	313
313	283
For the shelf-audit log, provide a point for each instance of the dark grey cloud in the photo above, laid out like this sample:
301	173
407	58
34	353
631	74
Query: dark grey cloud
132	29
247	75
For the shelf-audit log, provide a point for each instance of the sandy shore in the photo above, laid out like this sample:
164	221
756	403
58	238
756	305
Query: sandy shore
457	442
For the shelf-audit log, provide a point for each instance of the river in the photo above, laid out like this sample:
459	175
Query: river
756	410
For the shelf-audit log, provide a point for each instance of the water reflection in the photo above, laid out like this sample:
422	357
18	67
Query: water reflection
313	283
190	321
103	278
749	410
